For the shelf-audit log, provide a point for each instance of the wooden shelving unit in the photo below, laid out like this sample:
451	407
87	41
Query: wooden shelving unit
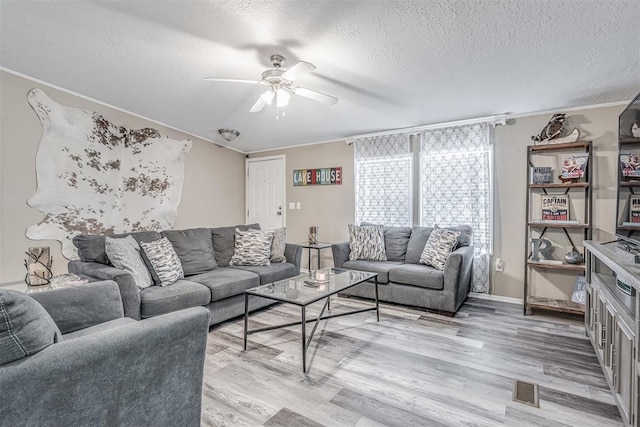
568	231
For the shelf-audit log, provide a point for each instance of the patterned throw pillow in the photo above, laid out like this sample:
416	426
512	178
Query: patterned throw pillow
163	262
366	242
278	245
252	247
439	246
124	253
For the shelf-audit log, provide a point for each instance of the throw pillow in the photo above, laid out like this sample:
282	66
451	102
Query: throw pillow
163	262
366	242
26	327
252	247
278	245
224	242
194	248
124	253
439	246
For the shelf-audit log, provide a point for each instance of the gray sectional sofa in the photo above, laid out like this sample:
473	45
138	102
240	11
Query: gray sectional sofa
404	280
209	280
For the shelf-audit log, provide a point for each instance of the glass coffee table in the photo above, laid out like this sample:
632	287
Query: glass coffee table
298	291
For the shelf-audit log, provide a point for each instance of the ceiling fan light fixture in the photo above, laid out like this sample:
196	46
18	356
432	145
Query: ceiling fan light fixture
282	97
228	134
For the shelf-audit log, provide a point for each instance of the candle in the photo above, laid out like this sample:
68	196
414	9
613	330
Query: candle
321	275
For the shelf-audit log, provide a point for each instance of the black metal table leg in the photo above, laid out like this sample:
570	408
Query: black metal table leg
246	318
304	341
309	259
377	303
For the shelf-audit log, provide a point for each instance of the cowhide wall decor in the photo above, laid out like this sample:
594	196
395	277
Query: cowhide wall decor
95	177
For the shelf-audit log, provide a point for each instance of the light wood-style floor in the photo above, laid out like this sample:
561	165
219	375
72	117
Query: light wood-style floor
413	368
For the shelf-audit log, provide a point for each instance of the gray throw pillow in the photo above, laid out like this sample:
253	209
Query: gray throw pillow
124	254
224	241
366	242
439	246
163	262
278	245
25	326
252	247
194	248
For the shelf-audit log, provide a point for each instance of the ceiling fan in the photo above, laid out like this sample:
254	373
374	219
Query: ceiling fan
280	85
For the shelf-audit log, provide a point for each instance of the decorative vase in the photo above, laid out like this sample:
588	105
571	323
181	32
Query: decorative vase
313	235
38	266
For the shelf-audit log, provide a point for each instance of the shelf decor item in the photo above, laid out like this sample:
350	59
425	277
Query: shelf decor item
38	265
630	166
574	167
313	235
634	209
541	175
555	207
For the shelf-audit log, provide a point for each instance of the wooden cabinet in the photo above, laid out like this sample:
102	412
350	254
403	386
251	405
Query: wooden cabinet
567	234
611	323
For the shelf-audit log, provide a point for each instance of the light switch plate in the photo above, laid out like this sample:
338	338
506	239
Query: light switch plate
298	205
292	205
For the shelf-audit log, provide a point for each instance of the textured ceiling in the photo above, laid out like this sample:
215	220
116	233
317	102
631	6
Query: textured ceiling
393	64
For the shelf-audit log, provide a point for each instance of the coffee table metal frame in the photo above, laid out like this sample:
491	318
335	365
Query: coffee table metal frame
306	341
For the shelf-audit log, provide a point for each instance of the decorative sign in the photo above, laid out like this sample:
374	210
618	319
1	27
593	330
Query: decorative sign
324	176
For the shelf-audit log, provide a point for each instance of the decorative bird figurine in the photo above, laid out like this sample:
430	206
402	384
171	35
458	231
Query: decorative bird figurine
552	130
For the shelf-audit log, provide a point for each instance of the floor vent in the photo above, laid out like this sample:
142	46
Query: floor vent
526	393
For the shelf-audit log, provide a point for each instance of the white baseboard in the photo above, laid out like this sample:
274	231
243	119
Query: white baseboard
496	298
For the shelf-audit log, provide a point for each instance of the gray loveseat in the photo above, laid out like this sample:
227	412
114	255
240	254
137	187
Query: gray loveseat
404	280
209	280
69	357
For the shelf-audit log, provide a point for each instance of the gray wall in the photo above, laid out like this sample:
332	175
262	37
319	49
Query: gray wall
205	202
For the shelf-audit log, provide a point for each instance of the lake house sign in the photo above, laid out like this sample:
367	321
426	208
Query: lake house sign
323	176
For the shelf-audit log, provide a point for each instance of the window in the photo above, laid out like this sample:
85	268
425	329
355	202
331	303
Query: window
456	187
383	180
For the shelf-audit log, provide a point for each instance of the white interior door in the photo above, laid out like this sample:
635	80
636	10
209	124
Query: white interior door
266	192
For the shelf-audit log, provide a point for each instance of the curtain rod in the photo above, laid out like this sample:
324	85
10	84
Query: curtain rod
493	120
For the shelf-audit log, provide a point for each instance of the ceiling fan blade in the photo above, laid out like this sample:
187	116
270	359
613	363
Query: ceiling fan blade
216	79
265	99
297	70
315	95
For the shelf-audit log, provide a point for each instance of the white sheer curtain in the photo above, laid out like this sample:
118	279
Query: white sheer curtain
456	187
384	180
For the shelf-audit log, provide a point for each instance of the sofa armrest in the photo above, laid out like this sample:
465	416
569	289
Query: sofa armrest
128	288
143	373
457	273
293	254
79	307
340	253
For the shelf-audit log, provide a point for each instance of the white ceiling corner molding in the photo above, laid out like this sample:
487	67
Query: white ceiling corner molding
498	120
95	177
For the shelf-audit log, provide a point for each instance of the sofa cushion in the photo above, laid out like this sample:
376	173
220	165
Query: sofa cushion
380	267
162	261
366	242
272	273
194	248
156	300
91	247
124	253
224	242
415	246
439	246
396	240
420	275
25	326
278	245
111	324
227	282
252	247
